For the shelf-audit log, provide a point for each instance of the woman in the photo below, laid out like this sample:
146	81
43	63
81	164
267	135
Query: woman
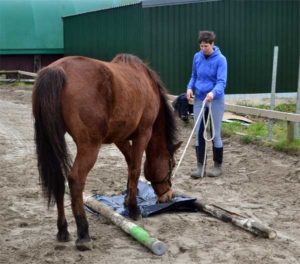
208	81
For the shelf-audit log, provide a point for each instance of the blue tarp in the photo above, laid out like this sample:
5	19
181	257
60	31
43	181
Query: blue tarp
147	202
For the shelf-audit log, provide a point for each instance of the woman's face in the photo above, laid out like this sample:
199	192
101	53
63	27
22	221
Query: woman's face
207	48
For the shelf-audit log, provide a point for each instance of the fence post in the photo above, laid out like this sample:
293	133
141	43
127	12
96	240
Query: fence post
273	88
296	125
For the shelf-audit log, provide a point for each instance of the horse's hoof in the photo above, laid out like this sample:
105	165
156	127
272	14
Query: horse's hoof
135	214
63	236
84	244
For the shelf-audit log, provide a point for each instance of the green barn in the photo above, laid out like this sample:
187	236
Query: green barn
31	31
164	34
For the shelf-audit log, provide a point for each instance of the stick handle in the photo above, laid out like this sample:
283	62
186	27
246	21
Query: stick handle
255	227
137	232
245	223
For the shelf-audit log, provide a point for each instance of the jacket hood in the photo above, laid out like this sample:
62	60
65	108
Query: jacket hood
215	53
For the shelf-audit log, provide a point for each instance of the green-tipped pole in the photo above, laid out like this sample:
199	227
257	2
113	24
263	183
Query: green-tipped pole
156	246
140	234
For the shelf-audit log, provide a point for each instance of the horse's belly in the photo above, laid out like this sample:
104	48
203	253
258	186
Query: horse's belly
119	131
131	120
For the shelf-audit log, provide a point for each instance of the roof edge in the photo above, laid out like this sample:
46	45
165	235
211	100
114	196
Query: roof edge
134	2
156	3
30	51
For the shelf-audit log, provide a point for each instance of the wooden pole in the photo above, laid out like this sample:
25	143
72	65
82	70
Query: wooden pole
273	89
296	130
245	223
137	232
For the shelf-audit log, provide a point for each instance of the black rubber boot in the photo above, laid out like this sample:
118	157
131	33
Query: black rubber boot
200	160
216	170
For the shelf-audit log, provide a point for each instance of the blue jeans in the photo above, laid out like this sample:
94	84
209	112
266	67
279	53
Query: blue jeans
217	110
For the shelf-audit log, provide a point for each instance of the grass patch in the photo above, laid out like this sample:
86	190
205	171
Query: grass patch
22	85
291	148
231	128
16	85
285	107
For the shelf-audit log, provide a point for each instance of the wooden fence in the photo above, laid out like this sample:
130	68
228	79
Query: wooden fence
13	76
291	118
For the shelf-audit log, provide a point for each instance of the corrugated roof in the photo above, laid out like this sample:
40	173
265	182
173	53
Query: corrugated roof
109	4
153	3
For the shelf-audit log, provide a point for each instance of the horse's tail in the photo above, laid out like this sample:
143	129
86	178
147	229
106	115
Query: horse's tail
51	149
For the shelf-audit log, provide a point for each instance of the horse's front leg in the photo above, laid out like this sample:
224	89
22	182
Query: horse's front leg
85	160
130	200
134	171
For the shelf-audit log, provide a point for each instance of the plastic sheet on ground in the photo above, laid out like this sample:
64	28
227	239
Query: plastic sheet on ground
147	202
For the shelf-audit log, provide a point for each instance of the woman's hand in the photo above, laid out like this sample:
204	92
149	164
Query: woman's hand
189	94
209	97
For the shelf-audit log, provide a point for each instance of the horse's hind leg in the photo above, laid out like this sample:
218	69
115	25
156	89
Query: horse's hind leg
62	225
84	161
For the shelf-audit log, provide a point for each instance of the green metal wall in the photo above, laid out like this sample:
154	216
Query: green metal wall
104	34
166	37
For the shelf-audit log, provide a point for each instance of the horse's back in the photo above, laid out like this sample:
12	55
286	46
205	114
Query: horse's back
107	101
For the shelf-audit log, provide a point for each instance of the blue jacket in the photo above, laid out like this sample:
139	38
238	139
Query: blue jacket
209	75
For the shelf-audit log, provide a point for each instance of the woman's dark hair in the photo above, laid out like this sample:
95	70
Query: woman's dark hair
207	37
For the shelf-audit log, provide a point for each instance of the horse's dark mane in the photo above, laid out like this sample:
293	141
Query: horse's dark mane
128	59
171	129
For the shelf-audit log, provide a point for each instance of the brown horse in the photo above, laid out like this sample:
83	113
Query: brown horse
96	102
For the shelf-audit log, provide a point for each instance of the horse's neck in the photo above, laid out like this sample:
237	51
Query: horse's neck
157	146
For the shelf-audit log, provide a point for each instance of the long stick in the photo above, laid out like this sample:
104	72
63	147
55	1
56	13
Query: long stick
245	223
137	232
188	142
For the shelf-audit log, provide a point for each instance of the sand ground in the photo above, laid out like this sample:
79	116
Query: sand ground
257	182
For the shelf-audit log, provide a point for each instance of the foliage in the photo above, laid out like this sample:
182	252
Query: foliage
286	108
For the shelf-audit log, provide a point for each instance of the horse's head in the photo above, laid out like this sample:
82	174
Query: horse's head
158	169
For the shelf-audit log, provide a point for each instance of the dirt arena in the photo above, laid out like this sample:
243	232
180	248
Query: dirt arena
257	182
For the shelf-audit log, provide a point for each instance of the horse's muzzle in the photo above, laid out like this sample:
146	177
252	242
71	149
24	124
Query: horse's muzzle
166	197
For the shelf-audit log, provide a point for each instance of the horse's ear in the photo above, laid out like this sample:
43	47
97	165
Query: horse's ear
177	145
